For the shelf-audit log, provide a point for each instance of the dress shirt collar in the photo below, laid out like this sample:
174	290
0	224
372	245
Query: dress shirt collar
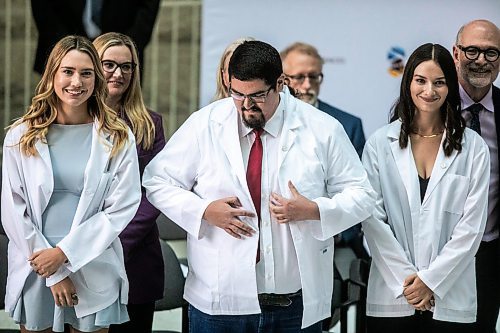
273	126
486	102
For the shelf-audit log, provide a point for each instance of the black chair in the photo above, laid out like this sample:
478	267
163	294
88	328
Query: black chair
349	288
174	287
169	230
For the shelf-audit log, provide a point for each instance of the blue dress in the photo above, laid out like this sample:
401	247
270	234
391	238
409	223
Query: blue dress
69	147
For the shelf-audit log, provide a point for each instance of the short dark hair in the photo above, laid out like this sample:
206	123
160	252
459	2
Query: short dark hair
256	60
404	108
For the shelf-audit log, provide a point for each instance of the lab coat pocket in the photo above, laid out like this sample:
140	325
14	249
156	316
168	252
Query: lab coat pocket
203	267
326	261
99	274
457	188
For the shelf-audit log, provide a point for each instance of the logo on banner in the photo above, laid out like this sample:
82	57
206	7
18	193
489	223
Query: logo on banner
396	57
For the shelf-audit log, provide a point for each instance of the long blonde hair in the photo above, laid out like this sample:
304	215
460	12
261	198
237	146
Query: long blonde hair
132	101
43	109
221	90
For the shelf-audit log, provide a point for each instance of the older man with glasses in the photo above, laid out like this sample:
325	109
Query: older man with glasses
261	188
303	67
476	55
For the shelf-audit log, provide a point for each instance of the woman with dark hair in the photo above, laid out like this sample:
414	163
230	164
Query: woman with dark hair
140	239
70	185
431	177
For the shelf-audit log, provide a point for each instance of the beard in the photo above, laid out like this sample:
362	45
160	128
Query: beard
253	120
479	77
309	96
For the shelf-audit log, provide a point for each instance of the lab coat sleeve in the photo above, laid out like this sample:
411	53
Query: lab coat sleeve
16	211
172	174
465	239
350	197
121	199
387	253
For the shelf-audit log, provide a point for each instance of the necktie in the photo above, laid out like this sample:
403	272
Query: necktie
254	172
474	122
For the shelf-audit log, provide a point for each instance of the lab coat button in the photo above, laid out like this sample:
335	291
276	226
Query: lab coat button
443	165
284	148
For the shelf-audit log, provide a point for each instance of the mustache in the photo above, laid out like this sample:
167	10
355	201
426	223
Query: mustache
252	108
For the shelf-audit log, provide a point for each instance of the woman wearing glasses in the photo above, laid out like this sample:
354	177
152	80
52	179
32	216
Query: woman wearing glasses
70	185
431	175
140	239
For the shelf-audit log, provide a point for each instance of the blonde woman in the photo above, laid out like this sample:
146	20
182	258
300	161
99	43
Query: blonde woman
140	239
70	185
222	75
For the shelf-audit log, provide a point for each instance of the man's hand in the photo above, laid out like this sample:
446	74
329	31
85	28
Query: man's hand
298	208
46	262
224	213
417	293
64	293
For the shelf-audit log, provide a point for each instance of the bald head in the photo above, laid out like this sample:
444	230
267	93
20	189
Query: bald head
478	38
482	27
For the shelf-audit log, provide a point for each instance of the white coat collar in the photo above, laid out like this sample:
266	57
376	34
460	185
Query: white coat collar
407	168
96	167
224	116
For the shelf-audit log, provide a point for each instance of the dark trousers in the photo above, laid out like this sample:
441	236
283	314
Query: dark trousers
420	322
488	286
273	319
141	319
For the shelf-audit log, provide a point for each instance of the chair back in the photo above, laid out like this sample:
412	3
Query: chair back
169	230
174	281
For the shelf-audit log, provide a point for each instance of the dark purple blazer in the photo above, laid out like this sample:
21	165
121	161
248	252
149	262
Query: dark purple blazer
140	239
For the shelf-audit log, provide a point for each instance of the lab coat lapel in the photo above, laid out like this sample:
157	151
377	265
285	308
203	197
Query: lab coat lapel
406	186
406	167
229	140
47	182
288	134
439	169
96	167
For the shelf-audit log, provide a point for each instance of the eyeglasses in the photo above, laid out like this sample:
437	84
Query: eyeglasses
110	66
300	78
254	98
473	53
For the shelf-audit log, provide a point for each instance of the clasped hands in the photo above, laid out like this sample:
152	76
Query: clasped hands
417	293
225	213
47	261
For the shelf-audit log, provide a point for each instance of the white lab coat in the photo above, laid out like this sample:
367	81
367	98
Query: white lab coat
438	238
110	197
202	162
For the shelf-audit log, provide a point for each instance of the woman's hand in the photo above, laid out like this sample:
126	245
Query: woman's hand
417	293
46	262
64	293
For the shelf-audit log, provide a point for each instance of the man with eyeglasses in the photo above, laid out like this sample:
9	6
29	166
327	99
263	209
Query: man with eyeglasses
476	55
303	67
261	188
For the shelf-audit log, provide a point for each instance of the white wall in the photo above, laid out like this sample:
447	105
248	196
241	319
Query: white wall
353	36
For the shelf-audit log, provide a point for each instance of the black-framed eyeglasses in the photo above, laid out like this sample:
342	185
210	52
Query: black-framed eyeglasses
473	53
110	66
259	97
300	78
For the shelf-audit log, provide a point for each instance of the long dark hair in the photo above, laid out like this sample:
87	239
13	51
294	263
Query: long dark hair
404	108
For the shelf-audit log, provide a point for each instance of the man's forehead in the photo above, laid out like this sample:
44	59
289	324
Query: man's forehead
481	33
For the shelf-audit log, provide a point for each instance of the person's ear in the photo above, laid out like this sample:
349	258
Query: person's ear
280	82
